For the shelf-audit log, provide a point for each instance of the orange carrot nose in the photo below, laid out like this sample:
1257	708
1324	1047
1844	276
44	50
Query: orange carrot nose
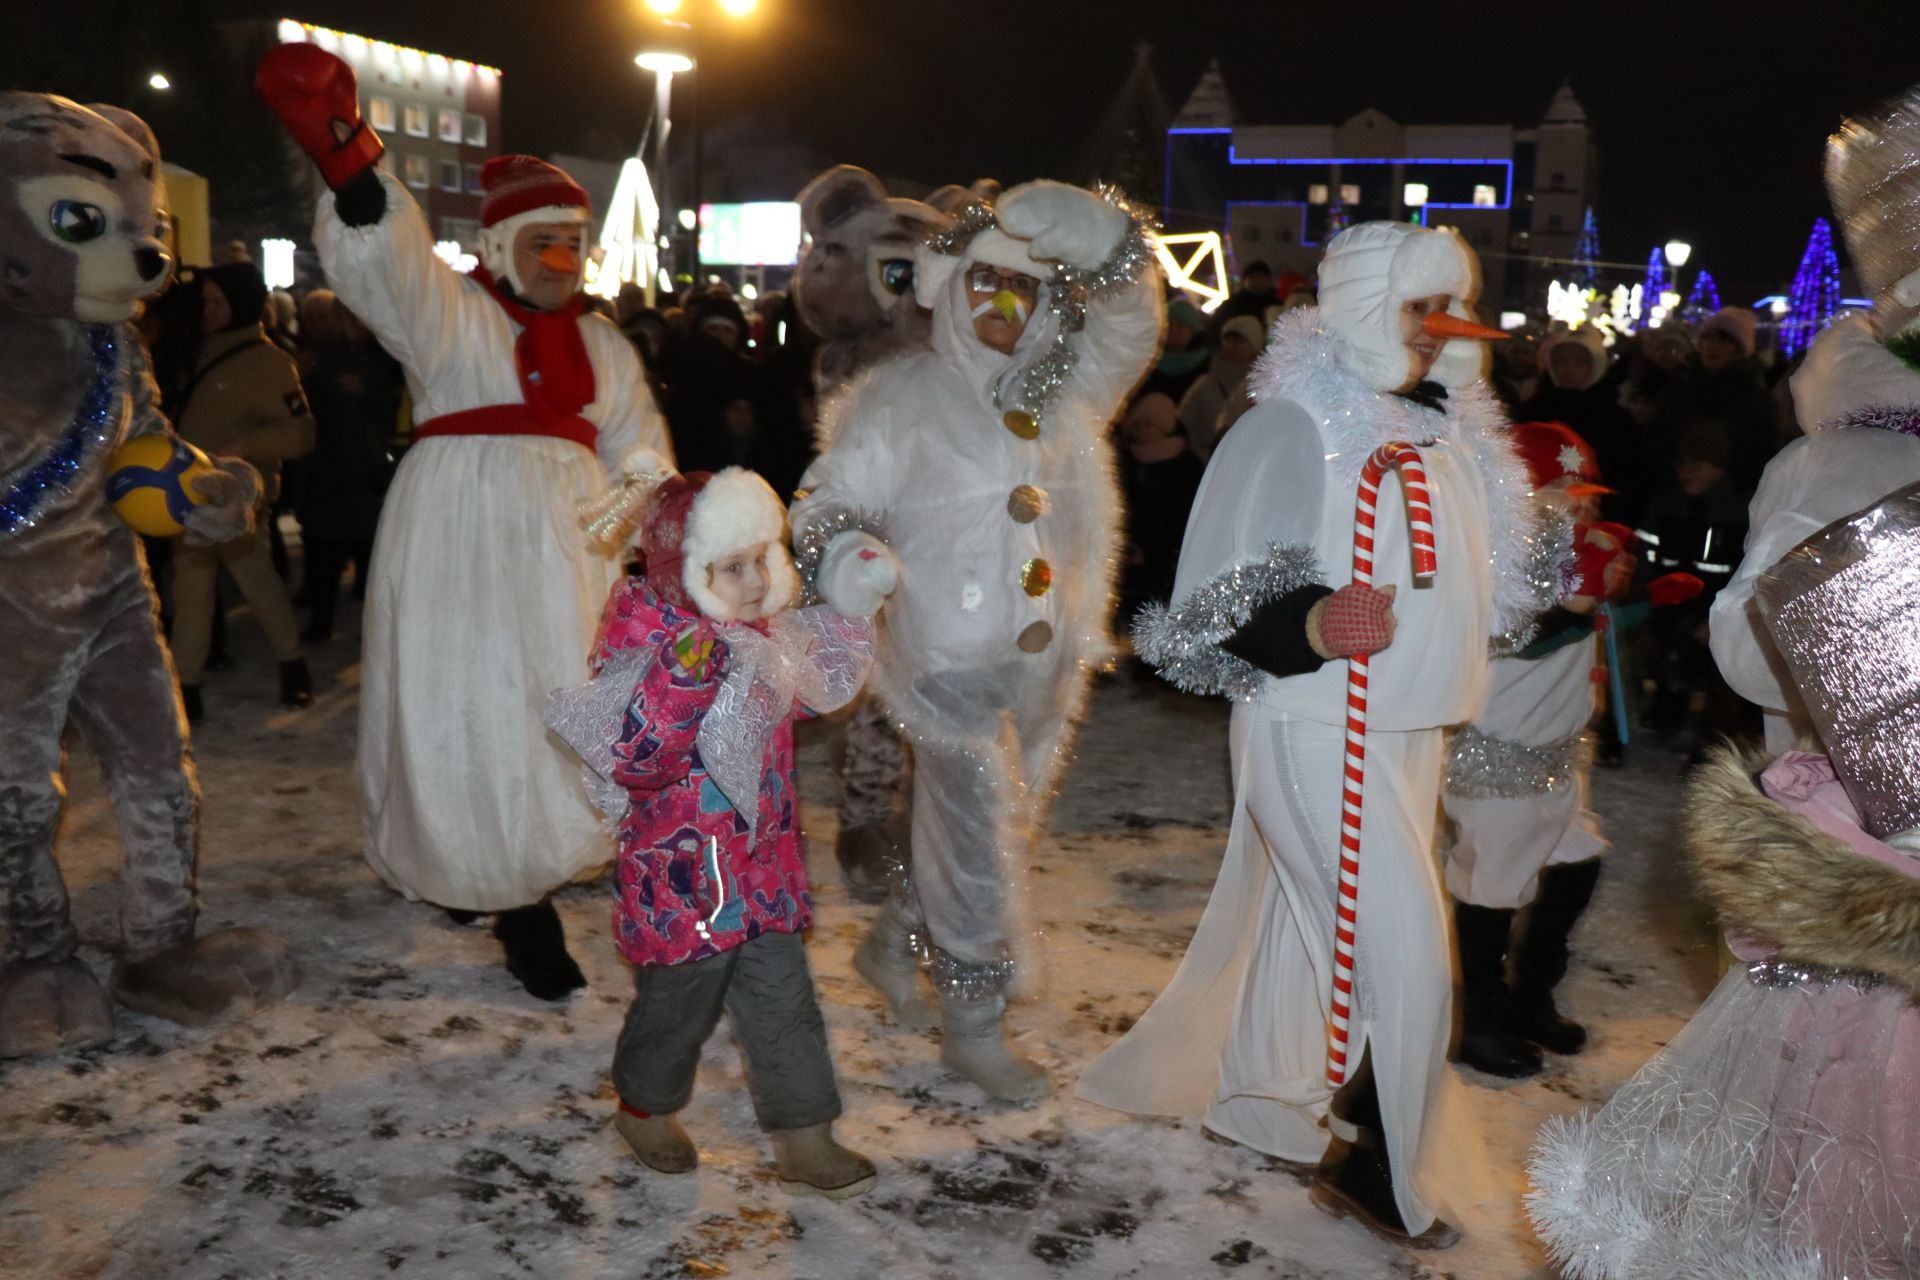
560	260
1442	324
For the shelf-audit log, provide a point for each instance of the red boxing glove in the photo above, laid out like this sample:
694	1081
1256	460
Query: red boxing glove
1674	588
1353	620
1599	571
316	97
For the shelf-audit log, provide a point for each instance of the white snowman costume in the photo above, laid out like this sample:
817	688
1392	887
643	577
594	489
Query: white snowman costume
1239	1038
484	595
991	477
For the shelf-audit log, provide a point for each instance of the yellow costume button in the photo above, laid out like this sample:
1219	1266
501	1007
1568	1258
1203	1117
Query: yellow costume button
1036	577
1027	504
1022	424
1035	638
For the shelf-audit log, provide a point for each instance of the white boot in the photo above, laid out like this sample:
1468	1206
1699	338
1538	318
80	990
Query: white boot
974	1044
888	962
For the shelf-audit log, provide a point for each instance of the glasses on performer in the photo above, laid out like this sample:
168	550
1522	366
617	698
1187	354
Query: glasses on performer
982	279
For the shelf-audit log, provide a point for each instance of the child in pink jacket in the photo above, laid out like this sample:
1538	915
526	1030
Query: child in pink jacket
688	728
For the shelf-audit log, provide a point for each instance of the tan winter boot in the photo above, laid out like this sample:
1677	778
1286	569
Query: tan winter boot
887	961
659	1141
974	1044
811	1163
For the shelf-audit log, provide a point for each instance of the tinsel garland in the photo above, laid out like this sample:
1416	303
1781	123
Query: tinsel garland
1778	973
1903	418
968	980
1183	643
810	541
1481	767
31	486
1068	293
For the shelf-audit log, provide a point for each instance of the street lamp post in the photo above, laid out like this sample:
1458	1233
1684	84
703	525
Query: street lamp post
664	64
1677	251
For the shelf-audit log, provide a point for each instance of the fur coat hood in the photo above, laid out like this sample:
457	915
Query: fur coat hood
1773	874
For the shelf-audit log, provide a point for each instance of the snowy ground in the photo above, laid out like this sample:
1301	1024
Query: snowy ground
411	1112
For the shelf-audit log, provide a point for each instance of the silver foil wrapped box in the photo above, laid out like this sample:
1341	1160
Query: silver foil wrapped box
1843	608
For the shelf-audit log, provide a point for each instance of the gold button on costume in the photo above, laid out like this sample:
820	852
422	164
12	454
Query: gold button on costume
1022	424
1027	504
1036	577
1036	637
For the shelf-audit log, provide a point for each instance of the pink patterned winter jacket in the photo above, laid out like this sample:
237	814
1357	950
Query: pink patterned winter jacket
690	879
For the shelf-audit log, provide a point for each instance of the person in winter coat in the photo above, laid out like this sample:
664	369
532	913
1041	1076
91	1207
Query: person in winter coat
700	671
1184	352
1240	1038
985	463
1256	293
1159	475
355	388
484	593
1726	383
1218	396
245	399
1574	390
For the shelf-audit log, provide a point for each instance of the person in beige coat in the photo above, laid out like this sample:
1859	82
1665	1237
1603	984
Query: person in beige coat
245	400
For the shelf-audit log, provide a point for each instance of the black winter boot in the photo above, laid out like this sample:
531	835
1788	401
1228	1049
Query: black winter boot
1540	959
296	683
1355	1178
1485	1042
537	951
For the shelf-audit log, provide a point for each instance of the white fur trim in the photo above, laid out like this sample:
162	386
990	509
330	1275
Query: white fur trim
496	241
736	509
1370	270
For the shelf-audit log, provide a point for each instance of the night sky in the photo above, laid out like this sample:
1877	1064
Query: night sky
1710	115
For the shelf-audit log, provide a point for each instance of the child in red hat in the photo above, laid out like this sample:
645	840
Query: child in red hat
701	669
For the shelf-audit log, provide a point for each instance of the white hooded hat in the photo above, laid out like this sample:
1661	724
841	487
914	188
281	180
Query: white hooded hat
1370	270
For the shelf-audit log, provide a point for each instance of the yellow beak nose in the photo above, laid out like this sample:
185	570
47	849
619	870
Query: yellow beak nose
1007	304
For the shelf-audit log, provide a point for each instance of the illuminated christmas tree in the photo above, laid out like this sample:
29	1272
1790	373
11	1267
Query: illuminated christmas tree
1656	280
1586	253
1815	295
1703	299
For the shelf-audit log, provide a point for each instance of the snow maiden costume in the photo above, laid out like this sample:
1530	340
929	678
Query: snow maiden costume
688	730
484	595
1777	1135
1240	1037
1857	396
991	476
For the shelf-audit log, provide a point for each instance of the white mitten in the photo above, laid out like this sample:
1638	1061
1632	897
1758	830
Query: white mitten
227	498
1064	223
857	574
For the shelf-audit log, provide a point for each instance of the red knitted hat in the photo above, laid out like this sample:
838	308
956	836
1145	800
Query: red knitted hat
517	184
1553	451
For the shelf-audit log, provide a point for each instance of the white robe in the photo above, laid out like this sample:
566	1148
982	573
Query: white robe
484	595
1239	1036
1835	471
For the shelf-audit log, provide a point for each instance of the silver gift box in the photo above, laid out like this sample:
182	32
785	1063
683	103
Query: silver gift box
1843	608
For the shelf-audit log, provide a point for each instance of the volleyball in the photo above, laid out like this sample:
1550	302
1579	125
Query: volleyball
150	483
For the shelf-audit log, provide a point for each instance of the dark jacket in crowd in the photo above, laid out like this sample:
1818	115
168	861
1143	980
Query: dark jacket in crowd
355	391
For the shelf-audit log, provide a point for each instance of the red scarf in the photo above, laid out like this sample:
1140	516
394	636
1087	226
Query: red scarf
556	377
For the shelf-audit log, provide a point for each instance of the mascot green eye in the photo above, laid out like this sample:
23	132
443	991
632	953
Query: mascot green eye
896	274
77	223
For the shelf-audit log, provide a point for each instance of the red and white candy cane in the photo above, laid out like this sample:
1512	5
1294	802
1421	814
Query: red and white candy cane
1405	459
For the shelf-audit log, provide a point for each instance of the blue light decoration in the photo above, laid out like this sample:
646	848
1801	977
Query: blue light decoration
1815	295
1703	299
1586	253
1656	279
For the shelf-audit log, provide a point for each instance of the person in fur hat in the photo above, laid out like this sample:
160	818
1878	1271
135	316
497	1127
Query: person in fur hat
1240	1037
984	463
688	728
1857	398
483	594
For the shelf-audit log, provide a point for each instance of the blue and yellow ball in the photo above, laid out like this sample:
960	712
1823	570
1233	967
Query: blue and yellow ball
150	483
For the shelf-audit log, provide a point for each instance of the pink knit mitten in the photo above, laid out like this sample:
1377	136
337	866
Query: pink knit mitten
1353	620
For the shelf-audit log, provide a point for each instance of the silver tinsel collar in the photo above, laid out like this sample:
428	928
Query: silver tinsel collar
1904	418
810	541
1068	293
1776	973
1183	643
1481	767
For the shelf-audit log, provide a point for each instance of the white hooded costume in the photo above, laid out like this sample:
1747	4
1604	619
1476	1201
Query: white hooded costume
484	595
1239	1037
1006	544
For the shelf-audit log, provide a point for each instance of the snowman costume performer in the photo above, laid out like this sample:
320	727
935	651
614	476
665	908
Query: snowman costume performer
484	594
1240	1037
984	464
1856	395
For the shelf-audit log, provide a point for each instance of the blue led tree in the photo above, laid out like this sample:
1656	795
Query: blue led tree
1703	299
1815	295
1656	280
1586	253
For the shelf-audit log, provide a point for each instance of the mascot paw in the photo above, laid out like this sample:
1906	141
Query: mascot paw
857	574
210	979
48	1008
1065	224
227	498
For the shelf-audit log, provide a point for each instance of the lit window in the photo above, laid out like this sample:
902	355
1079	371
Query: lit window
476	130
450	175
449	125
415	118
1484	196
1414	194
414	170
1349	194
380	112
473	180
1317	193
